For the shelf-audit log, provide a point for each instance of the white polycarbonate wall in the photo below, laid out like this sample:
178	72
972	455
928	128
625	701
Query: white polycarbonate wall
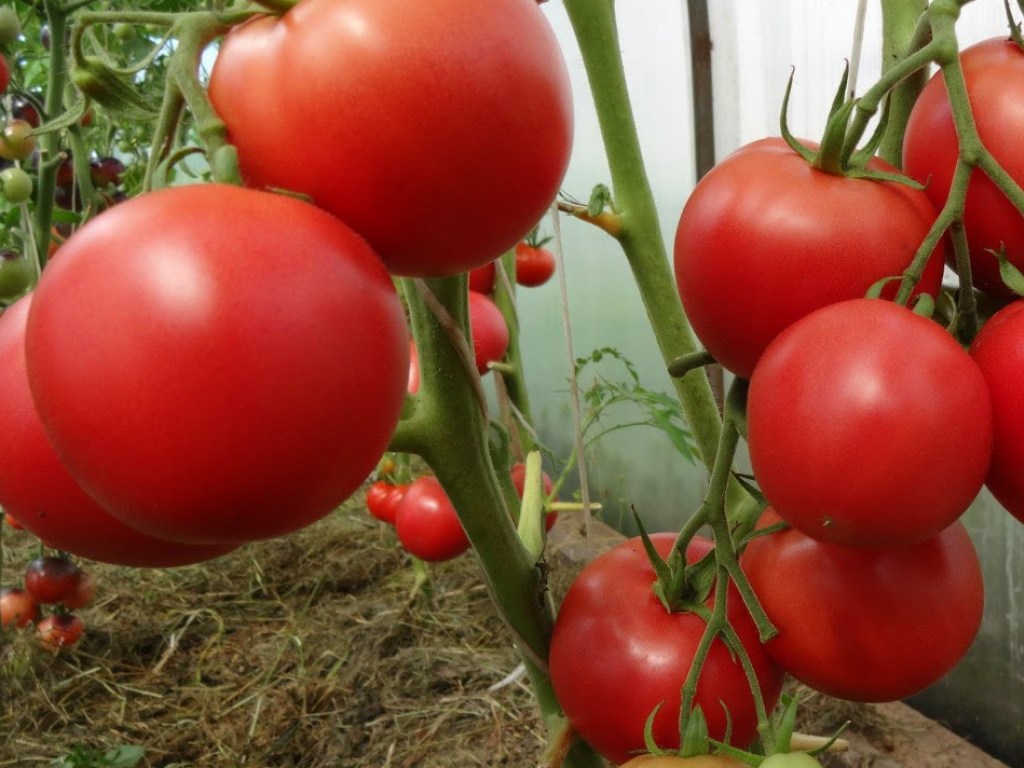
756	43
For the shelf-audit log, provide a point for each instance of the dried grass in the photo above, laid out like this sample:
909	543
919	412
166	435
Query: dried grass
297	653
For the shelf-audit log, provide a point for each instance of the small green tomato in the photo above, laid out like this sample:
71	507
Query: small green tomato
16	185
790	760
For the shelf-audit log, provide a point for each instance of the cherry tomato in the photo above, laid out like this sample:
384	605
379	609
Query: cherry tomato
867	625
16	275
5	73
427	523
59	631
37	487
671	761
488	329
790	760
23	109
438	179
17	608
106	171
518	472
999	352
227	393
534	266
10	26
616	654
84	592
382	500
868	425
51	579
991	69
481	279
765	239
15	143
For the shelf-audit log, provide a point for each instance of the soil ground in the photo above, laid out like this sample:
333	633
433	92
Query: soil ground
309	652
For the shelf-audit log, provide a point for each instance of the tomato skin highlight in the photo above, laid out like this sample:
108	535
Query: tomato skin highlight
616	653
867	625
868	425
470	167
225	335
427	524
998	349
765	239
42	493
992	69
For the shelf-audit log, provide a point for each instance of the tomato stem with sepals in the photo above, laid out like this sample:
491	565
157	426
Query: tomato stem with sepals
639	231
448	428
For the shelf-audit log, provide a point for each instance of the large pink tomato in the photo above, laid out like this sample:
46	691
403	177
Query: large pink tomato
999	352
617	654
765	239
994	73
38	490
217	364
438	130
868	425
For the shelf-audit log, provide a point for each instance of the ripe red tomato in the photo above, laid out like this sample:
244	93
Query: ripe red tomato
765	239
868	425
382	500
427	523
40	491
518	472
488	329
534	265
867	625
200	359
999	352
991	69
616	654
51	579
446	125
84	592
481	279
17	608
5	73
59	631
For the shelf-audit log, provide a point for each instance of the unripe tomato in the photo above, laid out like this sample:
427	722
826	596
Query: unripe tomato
16	275
790	760
10	26
15	143
16	185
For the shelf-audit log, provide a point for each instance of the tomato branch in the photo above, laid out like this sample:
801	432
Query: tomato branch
903	30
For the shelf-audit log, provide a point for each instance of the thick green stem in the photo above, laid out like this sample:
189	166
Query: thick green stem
639	232
450	431
49	145
899	26
520	418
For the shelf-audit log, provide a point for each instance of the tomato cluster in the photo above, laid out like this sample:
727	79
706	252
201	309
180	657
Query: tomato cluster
49	580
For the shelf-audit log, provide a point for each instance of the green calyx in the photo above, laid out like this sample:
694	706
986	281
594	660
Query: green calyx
837	154
1015	33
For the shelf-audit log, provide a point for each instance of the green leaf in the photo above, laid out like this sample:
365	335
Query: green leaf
924	305
1011	276
600	198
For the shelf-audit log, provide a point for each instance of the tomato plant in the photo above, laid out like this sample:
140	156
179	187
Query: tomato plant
469	175
427	524
752	254
867	625
51	579
59	631
870	380
17	608
251	366
617	653
991	70
999	352
47	500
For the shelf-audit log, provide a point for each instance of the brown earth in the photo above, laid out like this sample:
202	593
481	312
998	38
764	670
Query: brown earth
310	651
